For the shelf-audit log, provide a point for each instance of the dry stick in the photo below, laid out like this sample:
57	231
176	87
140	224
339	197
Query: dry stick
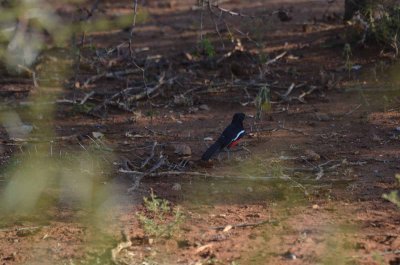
215	23
201	20
126	243
196	174
293	130
387	252
86	97
353	110
140	175
132	98
22	228
230	12
301	97
110	75
277	58
135	6
92	9
148	91
243	225
151	155
32	73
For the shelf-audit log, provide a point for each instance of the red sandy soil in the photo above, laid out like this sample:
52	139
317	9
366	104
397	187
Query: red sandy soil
338	217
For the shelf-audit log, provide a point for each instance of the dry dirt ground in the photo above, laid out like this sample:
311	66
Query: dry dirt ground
304	187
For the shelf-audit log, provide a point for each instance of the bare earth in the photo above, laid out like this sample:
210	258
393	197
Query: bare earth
339	148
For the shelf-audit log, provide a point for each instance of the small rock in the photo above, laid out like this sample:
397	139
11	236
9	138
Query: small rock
376	138
97	135
227	228
289	255
249	189
315	206
205	251
177	187
182	150
193	110
322	116
378	174
204	107
312	155
208	139
181	100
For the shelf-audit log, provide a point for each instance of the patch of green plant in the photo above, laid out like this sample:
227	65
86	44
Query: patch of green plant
378	258
394	196
82	108
160	220
262	57
347	56
263	102
207	47
383	20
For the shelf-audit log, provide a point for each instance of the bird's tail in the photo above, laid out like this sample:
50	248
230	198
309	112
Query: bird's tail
214	148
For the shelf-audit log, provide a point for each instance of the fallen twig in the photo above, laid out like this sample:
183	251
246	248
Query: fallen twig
21	228
277	58
123	106
115	74
32	73
148	91
151	155
282	127
124	244
244	225
86	97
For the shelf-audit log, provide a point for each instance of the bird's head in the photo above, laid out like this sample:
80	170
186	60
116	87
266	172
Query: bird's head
238	118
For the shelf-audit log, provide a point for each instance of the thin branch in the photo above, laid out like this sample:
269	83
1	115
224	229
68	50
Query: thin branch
244	225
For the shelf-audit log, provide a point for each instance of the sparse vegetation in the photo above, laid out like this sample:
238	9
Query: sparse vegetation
394	196
263	102
103	100
207	47
347	56
160	219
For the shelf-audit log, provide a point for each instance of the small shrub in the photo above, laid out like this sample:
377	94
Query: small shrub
394	196
263	102
207	48
160	220
347	55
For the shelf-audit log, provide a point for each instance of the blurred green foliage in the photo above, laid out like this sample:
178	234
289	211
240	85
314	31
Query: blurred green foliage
394	196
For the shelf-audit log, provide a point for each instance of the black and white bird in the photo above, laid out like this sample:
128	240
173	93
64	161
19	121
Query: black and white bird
229	138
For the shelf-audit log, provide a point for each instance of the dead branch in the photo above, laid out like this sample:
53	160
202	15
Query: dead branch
126	243
151	155
86	97
277	58
138	176
282	127
196	174
244	225
123	106
32	73
227	11
116	74
148	91
135	7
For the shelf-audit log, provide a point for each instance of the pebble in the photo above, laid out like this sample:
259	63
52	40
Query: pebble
204	107
182	150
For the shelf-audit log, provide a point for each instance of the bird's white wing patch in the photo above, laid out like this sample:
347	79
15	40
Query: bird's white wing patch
238	135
